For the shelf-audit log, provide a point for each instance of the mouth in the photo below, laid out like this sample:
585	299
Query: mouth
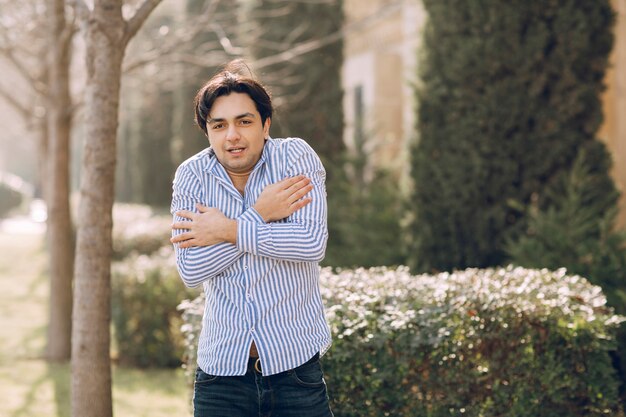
235	151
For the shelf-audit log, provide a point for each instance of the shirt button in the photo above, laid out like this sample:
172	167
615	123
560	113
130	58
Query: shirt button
245	267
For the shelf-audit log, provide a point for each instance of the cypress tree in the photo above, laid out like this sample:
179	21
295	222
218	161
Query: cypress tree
158	128
510	92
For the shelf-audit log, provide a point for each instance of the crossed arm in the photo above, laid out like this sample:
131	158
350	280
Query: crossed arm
207	243
210	226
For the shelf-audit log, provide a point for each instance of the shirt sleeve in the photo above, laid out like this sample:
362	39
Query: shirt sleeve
303	236
197	264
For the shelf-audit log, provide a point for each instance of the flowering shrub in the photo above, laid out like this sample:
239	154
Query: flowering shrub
192	311
138	229
493	342
145	293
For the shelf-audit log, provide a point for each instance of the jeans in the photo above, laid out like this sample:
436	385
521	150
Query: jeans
299	392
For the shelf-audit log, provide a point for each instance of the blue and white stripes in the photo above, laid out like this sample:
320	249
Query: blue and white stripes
265	288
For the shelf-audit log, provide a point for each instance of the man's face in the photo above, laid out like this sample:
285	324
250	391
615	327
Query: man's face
236	132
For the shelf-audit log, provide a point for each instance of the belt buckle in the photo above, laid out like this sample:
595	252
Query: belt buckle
257	365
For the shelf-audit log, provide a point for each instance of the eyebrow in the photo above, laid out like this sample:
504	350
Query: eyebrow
241	116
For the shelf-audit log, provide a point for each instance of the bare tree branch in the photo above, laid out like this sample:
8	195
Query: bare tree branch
134	23
171	49
172	44
205	61
297	50
19	107
82	11
69	31
155	55
309	46
37	85
225	41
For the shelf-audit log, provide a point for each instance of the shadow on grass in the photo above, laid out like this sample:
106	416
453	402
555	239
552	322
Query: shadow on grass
59	376
135	391
153	380
33	344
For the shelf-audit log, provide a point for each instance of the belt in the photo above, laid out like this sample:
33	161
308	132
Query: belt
254	364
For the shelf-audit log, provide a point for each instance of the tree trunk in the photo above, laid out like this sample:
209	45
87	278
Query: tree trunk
41	126
107	35
91	368
60	237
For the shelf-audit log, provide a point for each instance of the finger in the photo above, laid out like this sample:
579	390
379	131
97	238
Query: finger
180	238
303	182
289	182
299	194
182	225
299	204
186	214
187	243
201	208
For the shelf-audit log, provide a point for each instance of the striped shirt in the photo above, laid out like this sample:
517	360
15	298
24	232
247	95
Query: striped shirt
265	287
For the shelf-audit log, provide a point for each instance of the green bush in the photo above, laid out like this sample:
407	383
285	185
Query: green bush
578	231
10	199
364	220
145	293
491	342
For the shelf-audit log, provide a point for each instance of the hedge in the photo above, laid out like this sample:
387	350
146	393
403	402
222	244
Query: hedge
146	291
480	342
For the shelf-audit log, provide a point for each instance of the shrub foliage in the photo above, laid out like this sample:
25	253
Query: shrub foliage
578	231
145	294
480	342
146	289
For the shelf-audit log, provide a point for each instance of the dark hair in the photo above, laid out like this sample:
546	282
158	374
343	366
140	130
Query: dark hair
231	80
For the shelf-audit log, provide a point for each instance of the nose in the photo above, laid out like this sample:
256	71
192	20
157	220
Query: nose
232	133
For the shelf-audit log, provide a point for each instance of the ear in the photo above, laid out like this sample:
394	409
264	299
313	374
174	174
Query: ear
266	127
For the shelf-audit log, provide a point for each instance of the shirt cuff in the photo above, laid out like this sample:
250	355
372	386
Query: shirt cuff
247	240
252	215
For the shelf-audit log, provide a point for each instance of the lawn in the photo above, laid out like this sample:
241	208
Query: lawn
29	386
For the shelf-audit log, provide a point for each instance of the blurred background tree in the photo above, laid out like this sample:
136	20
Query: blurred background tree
510	92
158	129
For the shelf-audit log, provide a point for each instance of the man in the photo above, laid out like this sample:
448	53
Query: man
250	225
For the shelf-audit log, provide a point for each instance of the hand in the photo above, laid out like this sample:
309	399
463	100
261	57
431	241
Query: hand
281	199
205	228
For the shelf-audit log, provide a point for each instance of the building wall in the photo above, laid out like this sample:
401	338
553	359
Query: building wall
379	67
613	131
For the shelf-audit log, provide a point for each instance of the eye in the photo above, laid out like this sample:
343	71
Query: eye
246	122
217	126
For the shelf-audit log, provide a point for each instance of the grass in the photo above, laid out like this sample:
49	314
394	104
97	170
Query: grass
29	386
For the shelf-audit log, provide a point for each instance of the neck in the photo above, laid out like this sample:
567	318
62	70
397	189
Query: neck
239	179
239	174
